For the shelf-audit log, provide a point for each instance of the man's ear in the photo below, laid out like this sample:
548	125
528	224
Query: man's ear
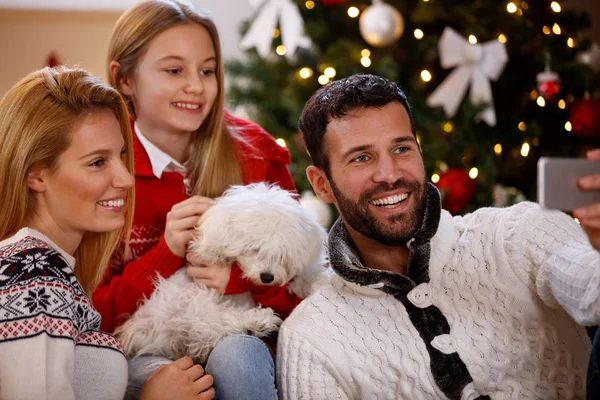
124	82
320	184
36	179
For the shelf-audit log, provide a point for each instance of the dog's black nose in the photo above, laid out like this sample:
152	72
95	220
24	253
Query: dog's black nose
266	277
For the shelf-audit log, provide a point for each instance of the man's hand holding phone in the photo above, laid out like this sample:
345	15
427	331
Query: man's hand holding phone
589	216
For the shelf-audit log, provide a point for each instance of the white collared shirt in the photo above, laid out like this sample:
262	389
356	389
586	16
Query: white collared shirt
160	161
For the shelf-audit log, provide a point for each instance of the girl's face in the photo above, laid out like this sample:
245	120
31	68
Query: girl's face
174	85
86	190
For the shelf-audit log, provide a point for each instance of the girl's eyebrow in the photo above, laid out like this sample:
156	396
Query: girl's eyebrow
180	58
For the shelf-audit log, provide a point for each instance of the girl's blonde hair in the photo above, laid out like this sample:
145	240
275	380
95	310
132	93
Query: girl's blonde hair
214	161
37	117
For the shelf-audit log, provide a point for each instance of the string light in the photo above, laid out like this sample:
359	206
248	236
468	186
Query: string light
535	142
472	39
556	29
442	166
533	95
418	138
570	42
323	80
522	126
281	142
275	33
555	7
473	172
511	7
562	104
425	75
448	127
309	4
353	12
525	149
570	98
498	149
305	73
524	5
435	178
502	38
568	126
546	30
365	53
540	101
280	50
418	34
330	72
366	62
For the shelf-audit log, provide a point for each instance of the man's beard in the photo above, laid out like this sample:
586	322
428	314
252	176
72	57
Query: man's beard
400	228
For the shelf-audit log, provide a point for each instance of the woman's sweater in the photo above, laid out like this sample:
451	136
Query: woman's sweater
51	346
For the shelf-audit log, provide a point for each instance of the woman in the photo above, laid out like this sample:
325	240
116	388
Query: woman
67	200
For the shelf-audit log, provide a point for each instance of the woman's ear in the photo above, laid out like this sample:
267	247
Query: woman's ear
36	179
320	184
122	83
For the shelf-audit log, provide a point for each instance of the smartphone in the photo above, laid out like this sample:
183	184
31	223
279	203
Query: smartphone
557	182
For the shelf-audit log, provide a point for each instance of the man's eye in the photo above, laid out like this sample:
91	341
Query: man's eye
360	159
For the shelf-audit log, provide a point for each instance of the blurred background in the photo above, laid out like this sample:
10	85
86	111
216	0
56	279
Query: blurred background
494	84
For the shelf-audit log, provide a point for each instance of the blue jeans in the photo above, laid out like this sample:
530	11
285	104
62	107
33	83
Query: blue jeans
593	373
242	366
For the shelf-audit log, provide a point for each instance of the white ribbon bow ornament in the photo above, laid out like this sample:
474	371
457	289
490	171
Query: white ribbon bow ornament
476	64
260	34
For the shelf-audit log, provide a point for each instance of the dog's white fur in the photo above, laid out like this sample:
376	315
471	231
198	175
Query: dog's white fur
266	231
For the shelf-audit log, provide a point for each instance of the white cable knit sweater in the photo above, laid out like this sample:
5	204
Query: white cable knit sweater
497	316
50	343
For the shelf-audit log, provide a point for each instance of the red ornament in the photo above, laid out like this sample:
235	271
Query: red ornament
458	190
548	85
52	60
330	3
585	118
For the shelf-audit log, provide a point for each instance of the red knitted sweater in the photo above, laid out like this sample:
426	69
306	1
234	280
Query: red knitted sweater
126	283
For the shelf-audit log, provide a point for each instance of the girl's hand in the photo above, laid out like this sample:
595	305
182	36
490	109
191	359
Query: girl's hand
180	380
589	217
182	220
214	276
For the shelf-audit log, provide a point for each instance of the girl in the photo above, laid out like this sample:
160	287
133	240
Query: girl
165	59
66	178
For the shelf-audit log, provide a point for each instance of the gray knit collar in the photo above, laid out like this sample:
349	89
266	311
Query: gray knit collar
345	261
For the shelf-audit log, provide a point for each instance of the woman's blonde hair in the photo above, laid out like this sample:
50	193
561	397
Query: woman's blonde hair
214	161
37	117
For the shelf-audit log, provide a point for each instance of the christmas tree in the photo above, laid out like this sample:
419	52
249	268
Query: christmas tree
541	71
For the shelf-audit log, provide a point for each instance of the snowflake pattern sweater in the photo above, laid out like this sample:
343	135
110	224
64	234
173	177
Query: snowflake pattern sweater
490	309
50	343
127	282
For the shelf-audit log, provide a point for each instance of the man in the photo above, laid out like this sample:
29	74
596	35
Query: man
423	305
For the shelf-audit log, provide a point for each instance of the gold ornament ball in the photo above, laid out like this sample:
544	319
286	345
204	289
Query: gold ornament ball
381	25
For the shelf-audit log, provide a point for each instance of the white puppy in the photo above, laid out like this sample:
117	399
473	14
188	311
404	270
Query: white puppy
272	238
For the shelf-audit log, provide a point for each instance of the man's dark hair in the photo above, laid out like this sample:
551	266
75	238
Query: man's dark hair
339	98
